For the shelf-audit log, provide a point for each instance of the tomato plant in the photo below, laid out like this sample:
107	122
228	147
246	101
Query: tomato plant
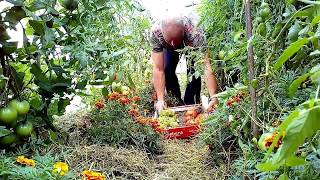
67	46
285	36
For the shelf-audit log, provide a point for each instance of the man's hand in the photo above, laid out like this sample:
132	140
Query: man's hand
213	104
160	105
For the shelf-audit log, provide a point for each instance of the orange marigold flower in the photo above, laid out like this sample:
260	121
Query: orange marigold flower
268	140
114	96
135	106
136	98
26	161
124	101
92	175
144	120
60	168
133	112
99	105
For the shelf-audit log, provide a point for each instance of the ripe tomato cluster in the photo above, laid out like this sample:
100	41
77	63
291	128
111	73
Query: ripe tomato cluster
235	99
192	117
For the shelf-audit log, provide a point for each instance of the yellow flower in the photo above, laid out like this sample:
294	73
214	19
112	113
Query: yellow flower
60	168
25	161
92	175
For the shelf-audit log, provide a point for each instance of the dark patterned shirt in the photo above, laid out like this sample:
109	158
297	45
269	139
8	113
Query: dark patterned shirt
193	36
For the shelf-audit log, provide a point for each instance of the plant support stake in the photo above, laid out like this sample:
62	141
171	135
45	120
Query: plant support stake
254	126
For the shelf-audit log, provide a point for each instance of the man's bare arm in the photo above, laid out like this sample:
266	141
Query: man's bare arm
211	82
158	74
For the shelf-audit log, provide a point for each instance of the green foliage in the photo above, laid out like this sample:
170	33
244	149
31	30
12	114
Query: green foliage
115	126
291	50
10	169
66	46
299	126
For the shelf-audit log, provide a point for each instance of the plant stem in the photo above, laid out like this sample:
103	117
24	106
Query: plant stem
251	68
274	100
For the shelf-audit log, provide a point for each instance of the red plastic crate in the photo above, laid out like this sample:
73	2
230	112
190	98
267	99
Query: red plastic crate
182	132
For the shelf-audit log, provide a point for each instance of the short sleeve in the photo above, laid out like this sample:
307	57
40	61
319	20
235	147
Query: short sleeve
155	43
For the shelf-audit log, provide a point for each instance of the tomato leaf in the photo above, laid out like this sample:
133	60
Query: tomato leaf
62	104
291	50
36	103
267	166
295	161
315	21
118	53
104	91
16	2
38	26
283	177
4	131
16	13
296	83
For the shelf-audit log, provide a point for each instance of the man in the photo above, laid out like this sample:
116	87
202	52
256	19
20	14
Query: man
166	37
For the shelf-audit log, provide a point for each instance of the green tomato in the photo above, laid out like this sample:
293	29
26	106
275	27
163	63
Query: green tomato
23	107
254	141
70	4
221	55
262	29
8	115
254	83
8	139
13	104
265	13
24	129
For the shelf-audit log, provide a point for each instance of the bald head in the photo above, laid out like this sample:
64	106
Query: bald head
173	31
